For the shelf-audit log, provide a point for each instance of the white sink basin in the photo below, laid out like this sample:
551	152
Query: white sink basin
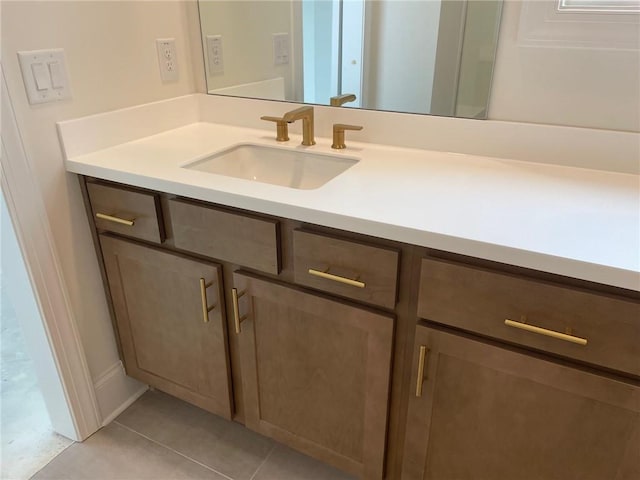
278	166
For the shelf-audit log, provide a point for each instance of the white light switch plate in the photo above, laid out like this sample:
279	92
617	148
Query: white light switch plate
45	76
167	59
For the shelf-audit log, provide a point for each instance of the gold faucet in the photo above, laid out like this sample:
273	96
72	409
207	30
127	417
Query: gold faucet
340	100
306	114
338	134
282	130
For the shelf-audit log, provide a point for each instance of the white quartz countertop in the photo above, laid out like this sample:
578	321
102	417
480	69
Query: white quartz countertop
570	221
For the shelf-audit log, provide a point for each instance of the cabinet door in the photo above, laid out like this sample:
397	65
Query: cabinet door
316	373
487	413
166	342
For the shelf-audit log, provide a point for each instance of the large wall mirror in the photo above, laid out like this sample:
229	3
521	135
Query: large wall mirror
417	56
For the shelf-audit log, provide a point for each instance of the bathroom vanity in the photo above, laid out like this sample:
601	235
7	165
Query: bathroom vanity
403	320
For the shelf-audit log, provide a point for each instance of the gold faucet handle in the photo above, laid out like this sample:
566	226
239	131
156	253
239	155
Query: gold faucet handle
338	134
340	100
282	127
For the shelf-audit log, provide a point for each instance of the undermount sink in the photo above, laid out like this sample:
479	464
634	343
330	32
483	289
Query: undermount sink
277	166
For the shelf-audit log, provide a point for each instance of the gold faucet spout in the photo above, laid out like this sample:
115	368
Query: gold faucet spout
306	115
340	100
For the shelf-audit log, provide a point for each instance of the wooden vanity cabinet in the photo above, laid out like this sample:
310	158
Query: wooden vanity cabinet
126	211
237	238
330	316
170	317
487	413
358	271
310	370
575	323
512	378
315	373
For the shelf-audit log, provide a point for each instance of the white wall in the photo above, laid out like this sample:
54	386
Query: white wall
247	28
112	61
564	83
404	35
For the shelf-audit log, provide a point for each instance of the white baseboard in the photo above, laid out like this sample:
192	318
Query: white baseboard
115	392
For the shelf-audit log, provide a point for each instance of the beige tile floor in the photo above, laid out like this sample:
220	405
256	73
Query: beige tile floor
160	437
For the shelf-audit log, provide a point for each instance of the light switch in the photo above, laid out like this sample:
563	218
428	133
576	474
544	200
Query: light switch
57	75
44	73
41	76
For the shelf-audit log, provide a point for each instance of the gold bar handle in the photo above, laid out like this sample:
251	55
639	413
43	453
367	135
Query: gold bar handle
544	331
206	308
111	218
237	319
336	278
421	361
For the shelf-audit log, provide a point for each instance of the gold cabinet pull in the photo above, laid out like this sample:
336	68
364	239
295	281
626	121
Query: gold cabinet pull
237	319
544	331
336	278
206	308
421	361
111	218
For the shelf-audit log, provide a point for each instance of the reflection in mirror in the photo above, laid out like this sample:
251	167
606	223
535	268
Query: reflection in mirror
417	56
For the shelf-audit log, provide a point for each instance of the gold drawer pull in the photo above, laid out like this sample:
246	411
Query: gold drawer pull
206	308
237	319
421	361
336	278
111	218
544	331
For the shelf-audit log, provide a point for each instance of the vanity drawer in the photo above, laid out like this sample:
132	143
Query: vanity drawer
494	304
246	240
343	267
126	211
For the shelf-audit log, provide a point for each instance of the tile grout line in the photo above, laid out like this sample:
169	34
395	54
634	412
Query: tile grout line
174	451
73	442
267	457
